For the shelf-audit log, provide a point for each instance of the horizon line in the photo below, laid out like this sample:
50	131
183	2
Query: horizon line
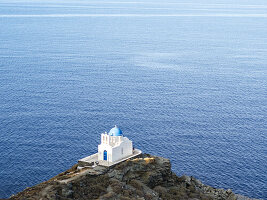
134	15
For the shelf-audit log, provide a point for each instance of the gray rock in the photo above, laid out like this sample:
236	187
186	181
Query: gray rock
145	177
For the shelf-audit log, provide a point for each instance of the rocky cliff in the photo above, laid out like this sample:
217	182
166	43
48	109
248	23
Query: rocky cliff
145	177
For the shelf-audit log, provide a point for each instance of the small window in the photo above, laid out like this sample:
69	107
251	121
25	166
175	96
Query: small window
121	151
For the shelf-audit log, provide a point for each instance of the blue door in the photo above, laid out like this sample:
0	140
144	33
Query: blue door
105	155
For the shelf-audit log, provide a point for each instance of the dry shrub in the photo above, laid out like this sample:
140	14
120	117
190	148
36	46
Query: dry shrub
116	186
149	160
99	189
115	182
91	188
139	193
172	193
194	195
127	193
205	197
117	189
136	184
137	159
160	190
125	198
148	196
174	190
181	193
192	188
109	195
122	165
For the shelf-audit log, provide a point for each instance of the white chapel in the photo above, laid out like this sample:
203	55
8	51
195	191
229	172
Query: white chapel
114	148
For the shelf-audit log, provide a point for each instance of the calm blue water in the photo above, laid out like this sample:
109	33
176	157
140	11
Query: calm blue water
183	80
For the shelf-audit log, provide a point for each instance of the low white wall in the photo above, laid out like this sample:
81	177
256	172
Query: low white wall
118	153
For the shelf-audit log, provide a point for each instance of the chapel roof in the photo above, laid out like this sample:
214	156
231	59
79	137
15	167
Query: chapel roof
115	131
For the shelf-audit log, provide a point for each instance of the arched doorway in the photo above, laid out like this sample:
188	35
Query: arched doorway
105	155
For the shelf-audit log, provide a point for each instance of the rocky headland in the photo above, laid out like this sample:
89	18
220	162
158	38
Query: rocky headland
145	177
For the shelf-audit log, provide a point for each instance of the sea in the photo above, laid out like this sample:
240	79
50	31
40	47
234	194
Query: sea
183	79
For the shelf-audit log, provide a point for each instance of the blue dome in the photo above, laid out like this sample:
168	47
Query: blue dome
115	131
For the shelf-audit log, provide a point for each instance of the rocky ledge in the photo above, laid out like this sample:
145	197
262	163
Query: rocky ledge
146	177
